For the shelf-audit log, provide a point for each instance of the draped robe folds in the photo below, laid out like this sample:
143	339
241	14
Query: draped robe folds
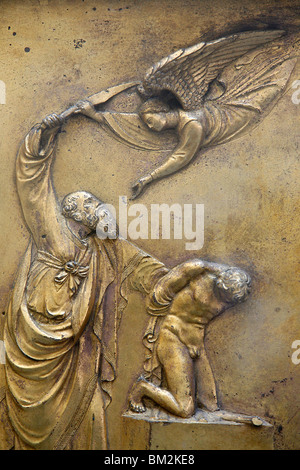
62	319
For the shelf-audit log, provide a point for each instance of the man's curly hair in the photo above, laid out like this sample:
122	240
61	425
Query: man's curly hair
71	208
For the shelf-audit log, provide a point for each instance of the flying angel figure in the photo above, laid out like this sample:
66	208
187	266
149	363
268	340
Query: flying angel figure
210	94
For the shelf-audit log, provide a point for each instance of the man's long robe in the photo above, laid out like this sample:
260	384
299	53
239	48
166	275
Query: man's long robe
63	316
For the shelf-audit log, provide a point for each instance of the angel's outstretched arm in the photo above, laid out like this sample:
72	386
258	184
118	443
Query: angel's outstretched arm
190	141
89	110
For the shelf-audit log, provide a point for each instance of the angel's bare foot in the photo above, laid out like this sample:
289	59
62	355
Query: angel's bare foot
135	397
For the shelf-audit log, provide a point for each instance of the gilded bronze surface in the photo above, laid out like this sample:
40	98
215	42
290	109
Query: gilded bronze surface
112	327
186	299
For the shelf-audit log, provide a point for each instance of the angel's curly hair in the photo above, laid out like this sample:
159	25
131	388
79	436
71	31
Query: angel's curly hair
153	106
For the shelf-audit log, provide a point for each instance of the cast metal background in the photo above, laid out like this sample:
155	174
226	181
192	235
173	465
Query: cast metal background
53	53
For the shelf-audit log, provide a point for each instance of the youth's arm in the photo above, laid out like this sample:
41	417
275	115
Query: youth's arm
175	280
180	276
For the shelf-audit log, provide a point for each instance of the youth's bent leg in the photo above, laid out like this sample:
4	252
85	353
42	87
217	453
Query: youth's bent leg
206	386
179	397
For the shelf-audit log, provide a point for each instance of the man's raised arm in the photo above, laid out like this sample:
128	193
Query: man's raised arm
34	183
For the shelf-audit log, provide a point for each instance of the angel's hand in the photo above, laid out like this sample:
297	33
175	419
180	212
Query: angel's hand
85	107
139	186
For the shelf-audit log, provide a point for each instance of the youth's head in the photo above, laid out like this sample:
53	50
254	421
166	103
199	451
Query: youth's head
233	285
157	115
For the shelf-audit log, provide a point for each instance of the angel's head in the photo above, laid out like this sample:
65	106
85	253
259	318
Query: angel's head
157	115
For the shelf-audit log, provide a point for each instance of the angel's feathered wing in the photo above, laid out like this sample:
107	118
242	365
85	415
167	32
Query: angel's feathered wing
188	73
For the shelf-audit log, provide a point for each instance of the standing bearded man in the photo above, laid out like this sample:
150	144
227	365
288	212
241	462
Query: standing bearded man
62	320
